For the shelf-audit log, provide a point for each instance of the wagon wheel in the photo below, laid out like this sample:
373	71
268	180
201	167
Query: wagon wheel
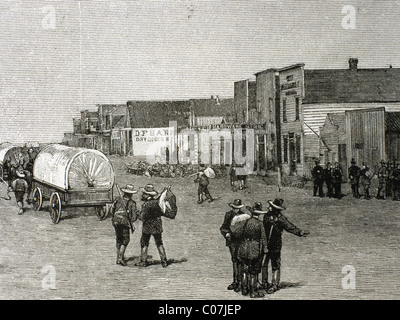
55	207
101	212
37	199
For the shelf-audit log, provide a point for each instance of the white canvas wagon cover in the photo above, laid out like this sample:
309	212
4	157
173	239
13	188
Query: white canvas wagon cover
73	168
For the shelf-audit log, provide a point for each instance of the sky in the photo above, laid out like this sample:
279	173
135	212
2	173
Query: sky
60	57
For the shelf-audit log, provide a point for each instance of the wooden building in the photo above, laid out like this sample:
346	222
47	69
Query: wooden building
373	135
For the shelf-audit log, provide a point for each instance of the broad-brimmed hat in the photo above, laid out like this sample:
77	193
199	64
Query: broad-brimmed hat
353	161
257	208
149	189
129	189
236	204
277	204
20	174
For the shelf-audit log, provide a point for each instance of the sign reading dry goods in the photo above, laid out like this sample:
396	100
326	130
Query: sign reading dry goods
153	140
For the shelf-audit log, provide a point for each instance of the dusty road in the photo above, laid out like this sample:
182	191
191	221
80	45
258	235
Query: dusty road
81	249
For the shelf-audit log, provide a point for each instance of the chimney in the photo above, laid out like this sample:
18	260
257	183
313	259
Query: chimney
353	64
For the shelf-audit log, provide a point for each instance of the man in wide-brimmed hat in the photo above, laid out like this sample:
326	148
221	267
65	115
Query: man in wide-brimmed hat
232	241
203	182
318	179
354	176
124	213
274	223
152	225
20	188
251	250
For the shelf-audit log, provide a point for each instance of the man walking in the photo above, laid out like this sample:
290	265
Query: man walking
318	179
20	188
124	213
232	241
203	182
274	223
354	176
152	225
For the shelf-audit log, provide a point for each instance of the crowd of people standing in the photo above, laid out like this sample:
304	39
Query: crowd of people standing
360	178
255	243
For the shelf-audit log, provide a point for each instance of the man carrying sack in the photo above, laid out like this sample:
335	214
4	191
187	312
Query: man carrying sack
154	206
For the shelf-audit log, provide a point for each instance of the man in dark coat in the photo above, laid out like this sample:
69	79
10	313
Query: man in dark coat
354	176
383	174
151	214
232	241
328	179
337	174
318	179
396	183
252	247
389	184
203	182
20	188
124	213
274	223
366	176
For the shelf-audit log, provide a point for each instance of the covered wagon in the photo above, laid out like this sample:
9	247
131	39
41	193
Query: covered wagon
72	177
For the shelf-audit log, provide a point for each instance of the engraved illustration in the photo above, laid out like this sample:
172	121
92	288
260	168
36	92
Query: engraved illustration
199	150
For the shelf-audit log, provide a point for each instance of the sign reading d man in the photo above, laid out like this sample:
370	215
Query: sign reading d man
154	143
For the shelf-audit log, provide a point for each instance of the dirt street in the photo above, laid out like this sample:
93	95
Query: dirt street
81	249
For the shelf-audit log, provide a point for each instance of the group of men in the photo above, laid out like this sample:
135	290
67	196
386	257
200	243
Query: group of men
359	178
253	242
125	212
332	176
388	180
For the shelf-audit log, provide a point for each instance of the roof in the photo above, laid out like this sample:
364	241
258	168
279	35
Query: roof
220	107
392	121
157	114
337	119
345	85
